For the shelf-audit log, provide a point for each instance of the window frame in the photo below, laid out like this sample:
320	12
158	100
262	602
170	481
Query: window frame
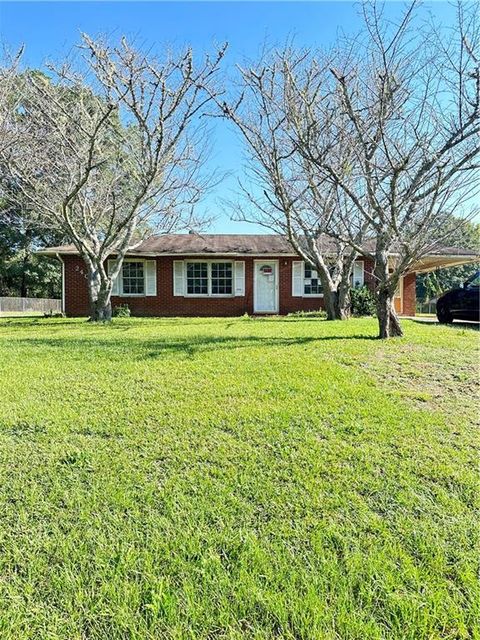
185	278
232	277
361	263
308	295
134	295
121	293
321	295
209	293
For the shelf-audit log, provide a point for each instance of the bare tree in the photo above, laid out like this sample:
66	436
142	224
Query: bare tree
406	100
285	192
9	98
110	149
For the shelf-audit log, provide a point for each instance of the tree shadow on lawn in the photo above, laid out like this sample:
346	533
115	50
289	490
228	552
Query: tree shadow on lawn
125	324
34	322
191	346
117	324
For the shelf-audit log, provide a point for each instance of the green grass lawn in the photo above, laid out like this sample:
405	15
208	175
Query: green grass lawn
237	478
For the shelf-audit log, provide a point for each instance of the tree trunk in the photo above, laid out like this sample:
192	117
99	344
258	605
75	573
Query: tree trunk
388	323
343	299
335	298
27	250
330	303
101	309
336	301
23	280
99	294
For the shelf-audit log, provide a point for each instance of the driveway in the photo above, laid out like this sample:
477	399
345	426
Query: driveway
433	319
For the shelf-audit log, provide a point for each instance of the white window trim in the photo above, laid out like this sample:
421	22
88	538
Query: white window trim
359	261
308	295
209	279
120	282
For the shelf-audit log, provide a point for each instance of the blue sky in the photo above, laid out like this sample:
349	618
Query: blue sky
50	29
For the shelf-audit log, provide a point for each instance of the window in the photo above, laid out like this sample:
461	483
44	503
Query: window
133	278
311	282
209	278
357	277
136	278
197	278
222	278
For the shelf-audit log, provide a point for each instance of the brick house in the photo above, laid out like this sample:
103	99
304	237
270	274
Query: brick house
224	275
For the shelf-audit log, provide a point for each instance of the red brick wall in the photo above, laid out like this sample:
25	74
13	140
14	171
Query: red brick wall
409	294
368	276
75	286
166	304
409	288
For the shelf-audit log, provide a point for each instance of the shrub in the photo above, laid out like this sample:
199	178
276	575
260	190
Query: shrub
121	311
362	302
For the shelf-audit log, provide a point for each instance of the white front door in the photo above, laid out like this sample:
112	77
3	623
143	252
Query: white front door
265	294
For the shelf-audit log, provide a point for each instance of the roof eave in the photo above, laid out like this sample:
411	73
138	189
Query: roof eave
443	261
157	254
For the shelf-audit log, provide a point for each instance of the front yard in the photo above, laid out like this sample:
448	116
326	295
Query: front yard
237	479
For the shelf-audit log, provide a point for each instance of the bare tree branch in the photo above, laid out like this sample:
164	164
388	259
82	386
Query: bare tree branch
111	147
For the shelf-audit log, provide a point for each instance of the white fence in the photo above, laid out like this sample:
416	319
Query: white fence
427	307
30	305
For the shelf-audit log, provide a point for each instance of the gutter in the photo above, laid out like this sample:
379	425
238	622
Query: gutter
59	257
246	254
202	254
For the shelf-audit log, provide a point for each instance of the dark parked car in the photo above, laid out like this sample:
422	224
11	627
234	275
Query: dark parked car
462	303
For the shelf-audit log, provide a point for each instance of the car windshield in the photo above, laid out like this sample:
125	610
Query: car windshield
474	281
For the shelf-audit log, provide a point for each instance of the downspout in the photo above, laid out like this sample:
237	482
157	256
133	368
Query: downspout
58	256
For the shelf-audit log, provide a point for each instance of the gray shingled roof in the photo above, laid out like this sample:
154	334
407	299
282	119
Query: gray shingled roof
193	243
229	244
